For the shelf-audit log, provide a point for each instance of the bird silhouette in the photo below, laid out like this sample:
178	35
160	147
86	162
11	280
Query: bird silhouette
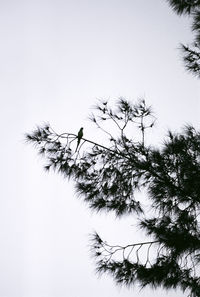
79	137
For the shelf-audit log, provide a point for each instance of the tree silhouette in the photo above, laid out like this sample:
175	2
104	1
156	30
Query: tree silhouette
108	177
191	54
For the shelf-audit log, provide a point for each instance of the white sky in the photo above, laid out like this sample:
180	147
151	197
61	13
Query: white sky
57	57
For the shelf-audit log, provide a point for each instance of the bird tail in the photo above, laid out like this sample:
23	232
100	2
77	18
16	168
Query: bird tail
78	142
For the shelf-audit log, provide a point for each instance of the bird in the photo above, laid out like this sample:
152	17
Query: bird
79	137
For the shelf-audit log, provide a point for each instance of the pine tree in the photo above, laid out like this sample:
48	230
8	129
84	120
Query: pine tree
108	178
191	53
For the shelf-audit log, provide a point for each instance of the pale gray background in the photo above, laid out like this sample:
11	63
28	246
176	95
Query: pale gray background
57	57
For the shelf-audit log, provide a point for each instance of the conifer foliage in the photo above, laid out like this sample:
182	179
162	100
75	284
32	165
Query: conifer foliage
108	176
191	53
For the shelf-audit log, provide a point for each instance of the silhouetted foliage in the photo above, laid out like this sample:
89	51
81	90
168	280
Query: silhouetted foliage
109	176
191	54
184	6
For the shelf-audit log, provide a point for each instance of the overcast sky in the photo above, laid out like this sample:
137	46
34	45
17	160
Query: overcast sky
57	58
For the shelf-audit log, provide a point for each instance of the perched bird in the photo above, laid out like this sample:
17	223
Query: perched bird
79	137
